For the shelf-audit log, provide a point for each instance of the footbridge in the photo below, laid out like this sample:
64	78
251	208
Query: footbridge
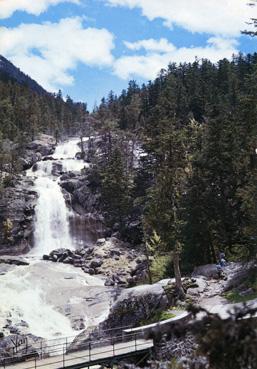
105	348
57	355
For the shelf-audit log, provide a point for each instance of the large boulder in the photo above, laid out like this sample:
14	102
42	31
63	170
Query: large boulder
132	306
84	200
71	184
209	271
135	305
29	159
44	144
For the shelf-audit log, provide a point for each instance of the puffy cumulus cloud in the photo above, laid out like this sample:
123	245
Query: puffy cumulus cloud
49	52
8	7
158	54
226	17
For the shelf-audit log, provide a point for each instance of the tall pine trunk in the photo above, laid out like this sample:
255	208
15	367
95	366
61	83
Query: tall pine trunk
178	279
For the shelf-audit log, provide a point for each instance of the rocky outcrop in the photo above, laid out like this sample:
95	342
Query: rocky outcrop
111	257
35	151
43	144
29	159
86	204
135	305
17	204
131	307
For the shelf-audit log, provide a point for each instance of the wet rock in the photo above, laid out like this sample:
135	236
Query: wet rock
56	169
47	158
109	282
100	242
14	330
13	260
96	263
78	325
70	185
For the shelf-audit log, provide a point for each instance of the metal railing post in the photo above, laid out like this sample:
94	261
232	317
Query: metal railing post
41	349
89	351
35	362
63	356
113	347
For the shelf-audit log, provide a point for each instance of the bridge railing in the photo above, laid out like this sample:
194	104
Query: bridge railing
108	345
44	348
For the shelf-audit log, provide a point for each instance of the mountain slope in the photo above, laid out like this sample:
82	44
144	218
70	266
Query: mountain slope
9	72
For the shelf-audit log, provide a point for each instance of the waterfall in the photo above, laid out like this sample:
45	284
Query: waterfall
52	215
47	299
52	218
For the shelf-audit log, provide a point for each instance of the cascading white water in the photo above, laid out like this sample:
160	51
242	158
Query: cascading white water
49	296
52	214
52	218
66	152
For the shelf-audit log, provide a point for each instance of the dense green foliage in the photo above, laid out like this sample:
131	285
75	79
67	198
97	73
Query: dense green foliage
24	113
195	181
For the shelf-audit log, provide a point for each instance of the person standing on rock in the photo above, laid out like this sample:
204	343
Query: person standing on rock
222	259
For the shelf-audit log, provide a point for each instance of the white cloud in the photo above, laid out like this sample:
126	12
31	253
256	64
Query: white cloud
226	17
161	45
160	53
49	51
36	7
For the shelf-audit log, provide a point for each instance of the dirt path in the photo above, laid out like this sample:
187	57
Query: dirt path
212	298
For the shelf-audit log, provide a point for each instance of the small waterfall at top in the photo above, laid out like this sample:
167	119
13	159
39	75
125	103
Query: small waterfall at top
52	215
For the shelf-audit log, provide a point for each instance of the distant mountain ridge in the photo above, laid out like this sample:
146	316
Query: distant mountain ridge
9	71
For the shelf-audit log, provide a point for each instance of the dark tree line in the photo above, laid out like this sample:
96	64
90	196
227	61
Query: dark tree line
182	152
24	113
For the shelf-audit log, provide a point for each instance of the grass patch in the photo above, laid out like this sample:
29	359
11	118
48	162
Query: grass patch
250	283
159	316
235	297
161	267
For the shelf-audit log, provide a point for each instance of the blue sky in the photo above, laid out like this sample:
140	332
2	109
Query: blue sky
89	47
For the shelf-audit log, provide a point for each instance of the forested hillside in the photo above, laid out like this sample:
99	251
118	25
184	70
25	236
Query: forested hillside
26	110
178	162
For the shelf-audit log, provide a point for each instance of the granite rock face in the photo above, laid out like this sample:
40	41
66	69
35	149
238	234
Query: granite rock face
44	144
17	208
